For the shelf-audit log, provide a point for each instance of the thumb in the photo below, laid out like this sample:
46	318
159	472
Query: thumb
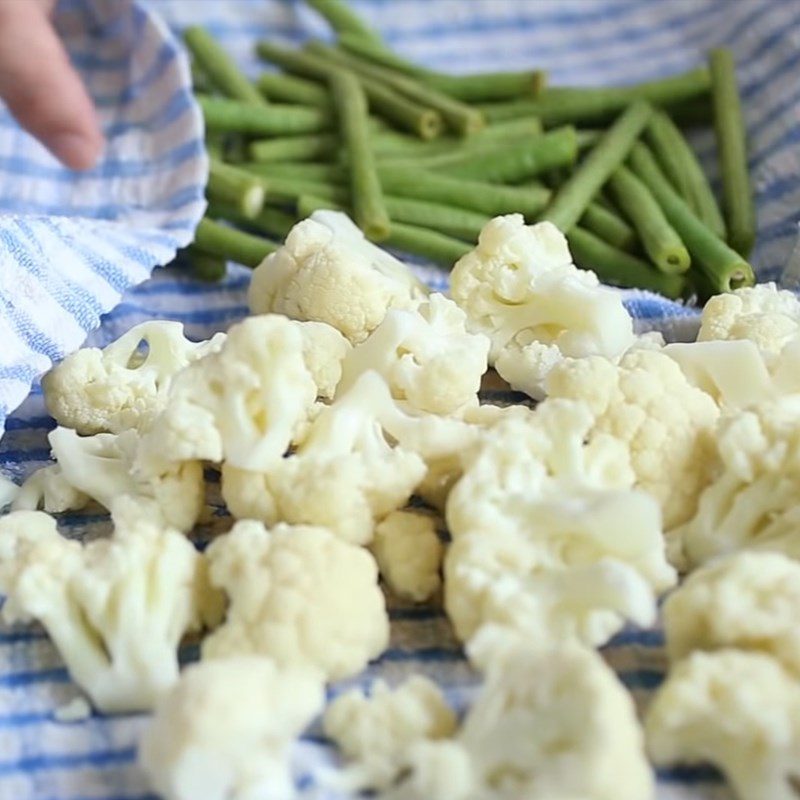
42	89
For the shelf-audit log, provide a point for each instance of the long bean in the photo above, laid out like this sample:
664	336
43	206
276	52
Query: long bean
343	19
620	268
609	227
205	266
723	268
366	194
659	239
273	120
303	172
281	190
290	89
272	221
457	222
737	193
680	165
572	198
219	67
423	242
235	187
423	121
225	242
294	148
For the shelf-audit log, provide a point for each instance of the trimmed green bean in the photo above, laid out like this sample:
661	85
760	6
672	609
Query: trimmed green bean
366	194
425	122
222	114
586	138
573	197
619	268
281	190
294	148
290	89
307	204
680	165
609	227
737	192
219	67
343	19
457	222
205	266
659	239
225	242
272	221
301	171
723	268
423	242
227	184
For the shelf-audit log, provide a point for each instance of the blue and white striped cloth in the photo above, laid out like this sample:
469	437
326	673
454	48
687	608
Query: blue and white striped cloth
59	275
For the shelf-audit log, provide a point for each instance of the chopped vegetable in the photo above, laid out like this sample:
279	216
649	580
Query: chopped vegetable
226	242
235	187
222	114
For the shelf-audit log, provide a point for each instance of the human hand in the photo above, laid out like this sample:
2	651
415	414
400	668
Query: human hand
40	86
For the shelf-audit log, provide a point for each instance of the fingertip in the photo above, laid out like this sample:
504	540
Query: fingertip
78	151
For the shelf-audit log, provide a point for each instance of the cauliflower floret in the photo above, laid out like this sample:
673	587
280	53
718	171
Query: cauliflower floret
115	608
344	475
118	387
377	732
299	596
749	601
101	468
667	424
520	287
243	404
324	350
548	538
225	730
8	491
751	503
739	711
328	272
764	314
426	355
409	554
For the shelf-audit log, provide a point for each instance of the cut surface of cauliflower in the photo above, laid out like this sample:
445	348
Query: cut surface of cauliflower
225	731
375	733
115	608
427	356
118	388
409	554
736	710
520	288
748	601
299	596
548	538
328	272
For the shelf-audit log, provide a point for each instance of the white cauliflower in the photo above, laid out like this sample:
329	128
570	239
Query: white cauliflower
426	355
376	733
120	387
8	491
115	608
740	712
548	538
409	554
298	595
328	272
344	474
226	729
752	501
324	350
520	287
666	423
749	601
242	405
101	468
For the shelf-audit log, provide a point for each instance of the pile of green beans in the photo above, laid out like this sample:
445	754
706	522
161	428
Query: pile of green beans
422	160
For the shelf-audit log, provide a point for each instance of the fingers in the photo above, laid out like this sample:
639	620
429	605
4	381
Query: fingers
41	88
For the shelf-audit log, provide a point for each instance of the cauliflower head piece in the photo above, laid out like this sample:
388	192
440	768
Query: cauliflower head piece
115	608
225	730
119	388
739	711
328	272
520	287
299	596
748	601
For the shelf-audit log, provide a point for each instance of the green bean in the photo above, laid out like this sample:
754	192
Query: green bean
366	194
485	198
470	88
432	245
680	165
269	220
737	193
233	115
225	242
315	173
205	266
572	198
307	204
219	67
457	222
425	122
619	268
609	227
344	20
289	89
659	239
235	187
294	148
281	190
586	138
460	117
723	268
